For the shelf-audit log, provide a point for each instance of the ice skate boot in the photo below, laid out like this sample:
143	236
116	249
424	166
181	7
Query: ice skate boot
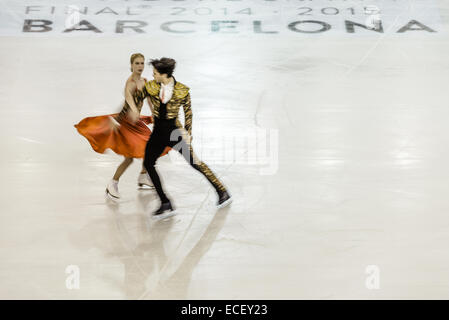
144	181
165	211
112	189
224	199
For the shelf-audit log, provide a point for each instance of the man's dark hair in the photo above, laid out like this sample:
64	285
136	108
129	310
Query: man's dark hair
164	65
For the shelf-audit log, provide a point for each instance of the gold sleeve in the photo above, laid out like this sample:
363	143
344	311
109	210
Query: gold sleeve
152	88
188	114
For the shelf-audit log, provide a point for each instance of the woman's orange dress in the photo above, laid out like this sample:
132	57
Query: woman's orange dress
129	139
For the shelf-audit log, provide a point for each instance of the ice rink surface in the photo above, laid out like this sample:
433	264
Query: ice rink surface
356	186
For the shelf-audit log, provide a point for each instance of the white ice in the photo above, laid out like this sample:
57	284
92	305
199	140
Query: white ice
361	180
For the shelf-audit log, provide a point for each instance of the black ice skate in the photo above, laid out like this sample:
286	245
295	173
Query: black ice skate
224	199
165	211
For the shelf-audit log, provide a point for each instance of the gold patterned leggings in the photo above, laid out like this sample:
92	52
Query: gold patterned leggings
167	133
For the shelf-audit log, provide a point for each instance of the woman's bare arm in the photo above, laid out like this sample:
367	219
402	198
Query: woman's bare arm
134	114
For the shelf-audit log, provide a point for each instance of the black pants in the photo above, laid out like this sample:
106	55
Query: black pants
168	133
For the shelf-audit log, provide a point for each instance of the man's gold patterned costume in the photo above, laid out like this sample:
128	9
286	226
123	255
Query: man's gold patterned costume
166	125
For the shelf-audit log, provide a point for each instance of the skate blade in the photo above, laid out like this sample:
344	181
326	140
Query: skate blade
164	216
142	186
224	204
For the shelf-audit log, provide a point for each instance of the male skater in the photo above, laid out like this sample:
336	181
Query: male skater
167	96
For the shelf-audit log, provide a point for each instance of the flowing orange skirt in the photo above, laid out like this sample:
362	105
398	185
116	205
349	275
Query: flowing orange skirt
128	140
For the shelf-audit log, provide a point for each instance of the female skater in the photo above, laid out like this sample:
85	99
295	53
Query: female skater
125	133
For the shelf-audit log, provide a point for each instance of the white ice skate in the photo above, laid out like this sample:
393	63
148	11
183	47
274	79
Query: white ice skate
112	190
144	181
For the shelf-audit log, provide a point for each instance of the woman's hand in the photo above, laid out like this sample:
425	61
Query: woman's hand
114	123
